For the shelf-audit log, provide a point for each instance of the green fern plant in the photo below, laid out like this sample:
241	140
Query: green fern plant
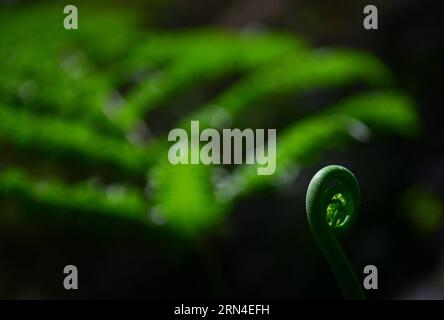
332	203
61	100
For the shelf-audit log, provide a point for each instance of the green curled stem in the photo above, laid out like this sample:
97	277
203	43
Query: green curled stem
332	202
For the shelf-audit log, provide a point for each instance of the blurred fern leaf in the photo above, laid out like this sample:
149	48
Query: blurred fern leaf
82	104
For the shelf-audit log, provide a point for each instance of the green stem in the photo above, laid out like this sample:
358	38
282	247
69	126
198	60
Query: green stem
332	202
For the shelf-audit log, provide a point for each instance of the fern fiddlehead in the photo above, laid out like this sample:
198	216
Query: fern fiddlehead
332	204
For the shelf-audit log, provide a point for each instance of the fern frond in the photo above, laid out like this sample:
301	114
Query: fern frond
199	56
64	140
306	140
86	198
294	74
184	197
76	96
